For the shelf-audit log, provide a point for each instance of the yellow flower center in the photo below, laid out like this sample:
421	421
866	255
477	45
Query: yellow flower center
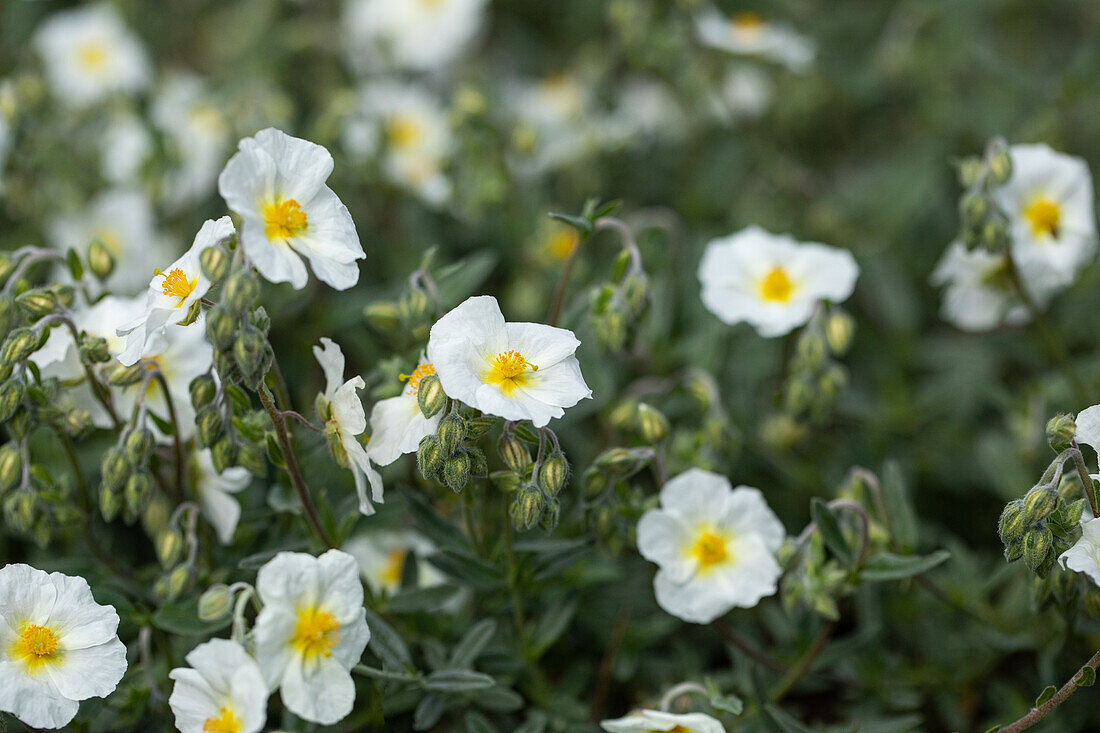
747	22
421	371
509	370
395	565
709	549
92	56
315	634
226	722
562	243
284	219
403	131
176	284
776	286
1045	217
36	647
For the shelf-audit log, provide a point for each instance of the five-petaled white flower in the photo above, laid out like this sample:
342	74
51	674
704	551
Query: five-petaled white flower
173	292
979	294
276	183
715	546
89	54
215	493
417	35
398	423
750	35
223	691
518	371
655	721
311	631
1084	556
382	556
345	420
57	646
772	281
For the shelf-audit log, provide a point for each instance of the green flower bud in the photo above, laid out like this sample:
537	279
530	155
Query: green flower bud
429	456
969	169
1012	524
1038	504
382	316
624	416
169	587
19	425
38	302
65	294
20	343
137	445
1014	550
430	395
203	389
224	454
12	393
214	262
259	319
450	432
9	311
249	351
252	459
11	466
1061	430
513	454
526	507
635	292
137	490
551	514
170	544
478	426
553	474
810	350
77	422
994	235
602	298
653	426
100	260
110	502
20	510
1037	544
209	425
624	462
221	327
595	483
115	468
414	306
215	602
1000	163
974	207
124	376
241	291
456	471
95	349
832	381
840	327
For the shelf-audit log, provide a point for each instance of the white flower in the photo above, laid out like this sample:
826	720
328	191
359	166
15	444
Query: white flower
1084	556
196	133
172	292
222	692
89	54
215	492
398	423
655	721
123	221
647	107
748	34
382	555
979	295
746	92
555	121
417	35
518	371
124	149
1049	202
276	183
311	631
408	128
772	281
715	546
346	421
57	646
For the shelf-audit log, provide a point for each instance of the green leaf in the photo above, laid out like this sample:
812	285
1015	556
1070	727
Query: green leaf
72	259
1086	677
731	704
552	624
471	645
576	222
899	511
386	643
1045	695
458	281
478	723
888	566
239	396
428	712
781	721
421	599
499	699
465	567
441	532
829	528
535	723
457	680
183	618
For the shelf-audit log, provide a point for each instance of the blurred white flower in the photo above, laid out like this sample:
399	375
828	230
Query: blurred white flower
311	631
89	54
772	281
215	493
124	149
979	294
196	134
655	721
405	126
414	35
345	422
647	106
397	423
750	35
223	691
123	220
518	371
57	646
746	92
715	546
382	556
1084	556
276	183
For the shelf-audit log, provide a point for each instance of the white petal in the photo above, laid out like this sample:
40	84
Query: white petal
89	672
323	694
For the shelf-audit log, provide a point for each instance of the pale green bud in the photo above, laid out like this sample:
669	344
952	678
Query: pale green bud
1038	504
170	545
653	426
1037	544
249	351
624	462
1012	523
1000	163
450	432
241	291
137	445
382	316
224	454
100	260
1061	431
513	454
969	169
595	483
12	393
95	349
429	456
221	327
137	490
414	306
526	507
124	376
20	343
553	474
215	602
252	459
456	471
115	468
77	422
38	302
430	395
11	466
110	502
203	389
974	207
551	514
214	262
19	510
840	327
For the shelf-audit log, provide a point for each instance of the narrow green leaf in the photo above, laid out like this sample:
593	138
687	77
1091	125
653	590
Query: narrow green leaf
386	643
416	600
457	680
829	528
428	712
888	566
899	511
1045	695
183	618
471	645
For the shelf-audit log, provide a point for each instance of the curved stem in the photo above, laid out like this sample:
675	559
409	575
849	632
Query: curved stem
684	688
177	444
1037	714
513	589
802	666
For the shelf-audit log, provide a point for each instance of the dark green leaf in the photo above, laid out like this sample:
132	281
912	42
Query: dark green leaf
471	645
888	566
428	712
899	511
457	680
183	618
421	599
386	643
829	528
1045	695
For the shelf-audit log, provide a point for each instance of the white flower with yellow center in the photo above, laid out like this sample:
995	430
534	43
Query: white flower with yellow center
518	371
173	292
416	35
555	121
1049	202
382	556
397	423
57	646
656	721
276	183
90	54
345	423
197	135
978	292
772	281
223	691
748	34
215	493
715	546
311	631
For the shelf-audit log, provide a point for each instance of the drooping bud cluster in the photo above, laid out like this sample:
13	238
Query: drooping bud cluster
407	320
816	378
451	454
984	224
238	331
618	305
535	482
227	424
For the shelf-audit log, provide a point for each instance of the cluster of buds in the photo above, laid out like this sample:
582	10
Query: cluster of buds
237	329
34	502
176	543
984	224
617	306
613	504
126	480
534	482
226	423
815	377
451	454
408	320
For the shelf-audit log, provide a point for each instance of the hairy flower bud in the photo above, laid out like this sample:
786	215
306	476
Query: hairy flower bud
208	424
1038	504
1061	431
810	350
624	416
137	490
969	170
11	397
115	468
38	302
169	587
382	316
429	456
1011	526
1000	163
624	462
595	483
241	291
20	343
124	376
450	433
215	602
832	380
653	426
456	471
513	454
100	260
203	390
430	395
553	474
137	445
20	510
1037	544
110	502
551	514
414	306
214	262
252	459
95	349
249	351
526	507
224	454
974	207
11	466
840	328
170	543
77	422
221	327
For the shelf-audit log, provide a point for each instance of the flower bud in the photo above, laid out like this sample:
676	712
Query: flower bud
414	306
100	260
251	458
38	302
450	433
1037	544
11	397
124	376
382	316
1038	504
1011	525
241	291
95	349
20	343
1061	430
513	454
110	502
259	319
429	456
224	454
840	327
595	483
170	544
634	290
652	424
11	466
208	426
77	422
214	262
994	235
551	514
624	462
969	169
810	349
137	445
456	471
19	510
1000	163
203	390
215	602
137	490
221	327
115	468
624	416
553	474
430	395
526	507
249	352
169	587
974	207
832	381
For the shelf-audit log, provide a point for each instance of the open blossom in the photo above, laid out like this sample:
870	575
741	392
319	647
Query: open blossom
518	371
57	646
223	691
715	546
656	721
89	54
382	556
1084	556
772	281
173	291
276	183
398	423
124	149
345	422
750	35
215	493
311	631
415	35
197	134
978	292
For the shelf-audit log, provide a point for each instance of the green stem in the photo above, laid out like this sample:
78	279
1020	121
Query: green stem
513	586
802	666
1038	713
177	444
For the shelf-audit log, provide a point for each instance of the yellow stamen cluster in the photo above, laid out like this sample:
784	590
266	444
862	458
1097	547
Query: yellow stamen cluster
226	722
92	56
776	286
315	633
1045	217
709	549
284	219
176	284
395	565
509	371
402	131
35	646
747	22
421	371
